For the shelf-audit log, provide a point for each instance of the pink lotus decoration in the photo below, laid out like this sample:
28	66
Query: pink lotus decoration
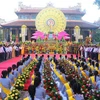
55	37
37	35
66	38
34	37
41	35
64	35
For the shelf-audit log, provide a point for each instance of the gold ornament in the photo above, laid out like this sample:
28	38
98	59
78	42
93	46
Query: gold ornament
50	19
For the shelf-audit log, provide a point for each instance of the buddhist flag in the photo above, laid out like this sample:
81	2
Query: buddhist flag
24	30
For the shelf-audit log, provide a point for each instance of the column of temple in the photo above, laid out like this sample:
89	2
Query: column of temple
29	34
4	34
5	30
10	34
17	36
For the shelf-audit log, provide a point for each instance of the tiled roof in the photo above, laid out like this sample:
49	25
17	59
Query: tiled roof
19	23
66	11
97	22
70	23
81	23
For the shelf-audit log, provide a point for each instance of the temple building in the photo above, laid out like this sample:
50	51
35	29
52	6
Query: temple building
1	29
97	23
27	15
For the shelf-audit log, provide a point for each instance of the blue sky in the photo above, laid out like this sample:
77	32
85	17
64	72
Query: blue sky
7	7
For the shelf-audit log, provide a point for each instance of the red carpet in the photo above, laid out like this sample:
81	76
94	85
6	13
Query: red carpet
28	81
4	65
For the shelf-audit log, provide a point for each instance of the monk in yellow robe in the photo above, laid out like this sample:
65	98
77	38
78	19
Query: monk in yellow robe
22	50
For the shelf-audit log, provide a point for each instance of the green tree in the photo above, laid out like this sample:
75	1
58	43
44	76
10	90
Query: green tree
96	36
97	2
13	37
1	35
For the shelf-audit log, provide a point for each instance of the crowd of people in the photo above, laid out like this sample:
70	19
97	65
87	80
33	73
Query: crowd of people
92	52
37	91
89	66
81	63
9	76
9	51
14	50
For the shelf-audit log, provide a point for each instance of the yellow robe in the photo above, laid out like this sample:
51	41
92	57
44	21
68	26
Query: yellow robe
22	51
99	56
13	52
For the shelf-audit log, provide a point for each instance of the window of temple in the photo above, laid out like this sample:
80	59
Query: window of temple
73	17
34	16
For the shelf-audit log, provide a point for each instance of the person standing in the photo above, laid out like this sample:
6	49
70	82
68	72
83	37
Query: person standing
16	50
10	51
99	53
22	50
86	48
88	51
7	50
5	53
92	53
81	51
1	53
13	51
95	51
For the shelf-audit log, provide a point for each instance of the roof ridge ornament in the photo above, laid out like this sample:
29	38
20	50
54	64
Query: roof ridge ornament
50	4
22	6
77	7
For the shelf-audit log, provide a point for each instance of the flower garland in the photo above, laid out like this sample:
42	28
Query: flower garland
14	95
86	87
19	84
49	84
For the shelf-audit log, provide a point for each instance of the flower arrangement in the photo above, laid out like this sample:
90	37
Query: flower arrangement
50	85
86	87
14	95
19	84
43	47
